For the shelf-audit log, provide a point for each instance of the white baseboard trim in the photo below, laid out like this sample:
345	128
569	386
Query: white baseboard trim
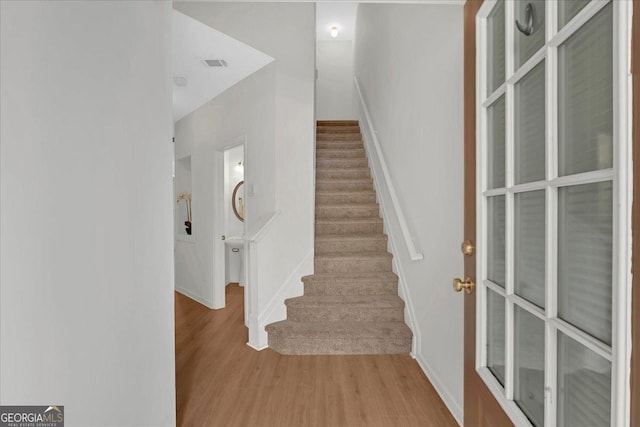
257	348
197	298
453	406
410	316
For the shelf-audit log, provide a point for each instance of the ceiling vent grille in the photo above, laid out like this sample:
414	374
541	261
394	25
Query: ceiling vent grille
215	62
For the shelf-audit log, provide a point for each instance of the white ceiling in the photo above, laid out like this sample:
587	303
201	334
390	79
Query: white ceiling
342	15
194	42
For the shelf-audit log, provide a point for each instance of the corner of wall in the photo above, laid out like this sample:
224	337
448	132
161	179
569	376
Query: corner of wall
275	310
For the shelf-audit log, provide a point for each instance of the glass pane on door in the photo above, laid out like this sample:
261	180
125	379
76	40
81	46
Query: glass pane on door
529	365
530	127
567	9
496	240
585	257
585	97
496	150
529	243
584	385
528	44
496	335
496	48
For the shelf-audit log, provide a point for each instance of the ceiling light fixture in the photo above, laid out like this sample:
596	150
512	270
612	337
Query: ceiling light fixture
333	31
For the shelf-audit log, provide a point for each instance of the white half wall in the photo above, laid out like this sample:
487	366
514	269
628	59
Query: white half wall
414	94
86	301
334	86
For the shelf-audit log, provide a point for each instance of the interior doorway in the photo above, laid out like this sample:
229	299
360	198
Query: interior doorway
229	218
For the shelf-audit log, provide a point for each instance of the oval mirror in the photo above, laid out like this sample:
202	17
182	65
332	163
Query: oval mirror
237	201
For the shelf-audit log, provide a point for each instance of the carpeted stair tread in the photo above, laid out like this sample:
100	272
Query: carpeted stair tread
339	145
339	129
329	162
370	287
342	170
337	150
380	283
345	137
340	337
341	153
348	220
344	181
348	205
354	197
353	257
337	123
345	329
346	277
342	330
348	185
353	262
354	302
342	174
348	210
343	193
341	237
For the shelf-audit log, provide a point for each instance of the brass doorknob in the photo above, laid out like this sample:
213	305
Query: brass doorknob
467	285
467	247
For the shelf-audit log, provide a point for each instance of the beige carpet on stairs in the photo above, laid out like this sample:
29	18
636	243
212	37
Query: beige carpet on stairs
351	304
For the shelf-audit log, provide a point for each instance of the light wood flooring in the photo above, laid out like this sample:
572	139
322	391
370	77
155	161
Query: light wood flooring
220	381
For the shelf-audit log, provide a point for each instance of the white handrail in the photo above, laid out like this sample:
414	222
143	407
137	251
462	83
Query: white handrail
411	247
262	229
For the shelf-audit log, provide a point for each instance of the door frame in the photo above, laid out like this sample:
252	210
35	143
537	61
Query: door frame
480	407
220	192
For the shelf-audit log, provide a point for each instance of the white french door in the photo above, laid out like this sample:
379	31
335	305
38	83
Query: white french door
553	218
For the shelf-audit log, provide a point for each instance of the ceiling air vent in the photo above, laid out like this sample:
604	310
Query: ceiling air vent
215	62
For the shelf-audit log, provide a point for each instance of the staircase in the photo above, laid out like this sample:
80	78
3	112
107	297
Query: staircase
351	304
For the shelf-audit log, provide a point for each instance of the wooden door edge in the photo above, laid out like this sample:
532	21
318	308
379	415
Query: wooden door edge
635	310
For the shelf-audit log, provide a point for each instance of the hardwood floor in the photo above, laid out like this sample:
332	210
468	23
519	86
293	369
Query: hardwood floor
220	381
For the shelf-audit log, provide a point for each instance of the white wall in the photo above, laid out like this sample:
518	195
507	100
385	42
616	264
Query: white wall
334	86
415	98
280	136
242	113
234	227
86	299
